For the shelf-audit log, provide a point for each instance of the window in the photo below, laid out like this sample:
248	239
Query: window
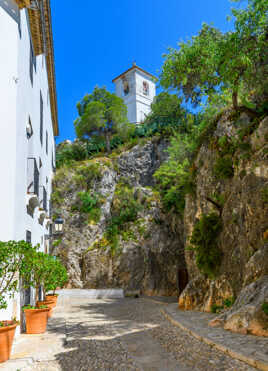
46	142
32	176
145	88
28	236
125	86
29	129
32	62
41	118
44	199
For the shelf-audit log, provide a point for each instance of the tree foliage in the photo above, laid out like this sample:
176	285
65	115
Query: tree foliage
176	177
102	114
166	108
213	62
13	263
204	239
56	276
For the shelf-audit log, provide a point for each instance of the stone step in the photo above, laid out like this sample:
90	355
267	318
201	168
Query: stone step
93	293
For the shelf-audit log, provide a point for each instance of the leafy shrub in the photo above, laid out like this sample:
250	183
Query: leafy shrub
13	261
264	307
204	239
56	276
216	308
125	209
87	174
226	145
223	167
68	153
228	302
88	203
264	194
56	198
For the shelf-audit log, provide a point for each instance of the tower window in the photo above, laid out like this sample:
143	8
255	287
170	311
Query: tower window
125	87
145	88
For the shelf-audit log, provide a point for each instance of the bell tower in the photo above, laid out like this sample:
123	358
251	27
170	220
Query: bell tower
137	88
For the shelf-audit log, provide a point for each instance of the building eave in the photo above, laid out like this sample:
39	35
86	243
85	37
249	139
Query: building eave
133	68
41	30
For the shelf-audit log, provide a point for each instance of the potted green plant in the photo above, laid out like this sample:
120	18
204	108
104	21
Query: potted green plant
57	277
12	264
36	316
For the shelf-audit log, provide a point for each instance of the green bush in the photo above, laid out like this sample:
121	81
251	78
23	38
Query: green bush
88	203
216	308
124	210
264	194
223	168
69	153
56	276
14	257
176	177
228	302
87	174
56	198
264	307
204	239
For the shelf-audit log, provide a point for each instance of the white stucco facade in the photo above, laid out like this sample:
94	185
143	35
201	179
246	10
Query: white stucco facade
137	88
24	103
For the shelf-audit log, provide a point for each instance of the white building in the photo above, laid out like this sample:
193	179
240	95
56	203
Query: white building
28	124
137	88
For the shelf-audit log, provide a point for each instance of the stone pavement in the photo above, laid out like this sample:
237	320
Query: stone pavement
115	334
248	348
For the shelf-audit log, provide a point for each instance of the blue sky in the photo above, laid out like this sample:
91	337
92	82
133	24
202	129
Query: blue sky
95	41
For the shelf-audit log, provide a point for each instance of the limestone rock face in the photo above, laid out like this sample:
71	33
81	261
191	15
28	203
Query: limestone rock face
243	240
148	261
247	316
201	293
139	164
153	250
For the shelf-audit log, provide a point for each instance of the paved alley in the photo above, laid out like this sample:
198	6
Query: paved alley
114	334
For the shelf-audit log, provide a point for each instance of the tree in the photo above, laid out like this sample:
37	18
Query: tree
166	108
13	264
212	62
102	114
56	276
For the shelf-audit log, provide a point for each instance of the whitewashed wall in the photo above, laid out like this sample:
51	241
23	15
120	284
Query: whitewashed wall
19	100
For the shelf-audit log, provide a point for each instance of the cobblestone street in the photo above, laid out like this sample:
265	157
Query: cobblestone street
115	334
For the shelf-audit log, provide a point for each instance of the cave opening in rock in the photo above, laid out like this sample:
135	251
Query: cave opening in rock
182	280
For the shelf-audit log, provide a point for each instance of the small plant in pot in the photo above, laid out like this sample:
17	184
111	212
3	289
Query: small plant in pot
57	277
36	316
12	264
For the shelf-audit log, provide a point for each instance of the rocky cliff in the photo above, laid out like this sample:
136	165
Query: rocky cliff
117	234
240	199
139	252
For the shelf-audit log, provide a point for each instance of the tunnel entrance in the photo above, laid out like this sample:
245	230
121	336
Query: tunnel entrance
183	279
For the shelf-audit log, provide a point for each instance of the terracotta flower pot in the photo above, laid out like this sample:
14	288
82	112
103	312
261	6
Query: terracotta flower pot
53	298
48	303
6	339
36	320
